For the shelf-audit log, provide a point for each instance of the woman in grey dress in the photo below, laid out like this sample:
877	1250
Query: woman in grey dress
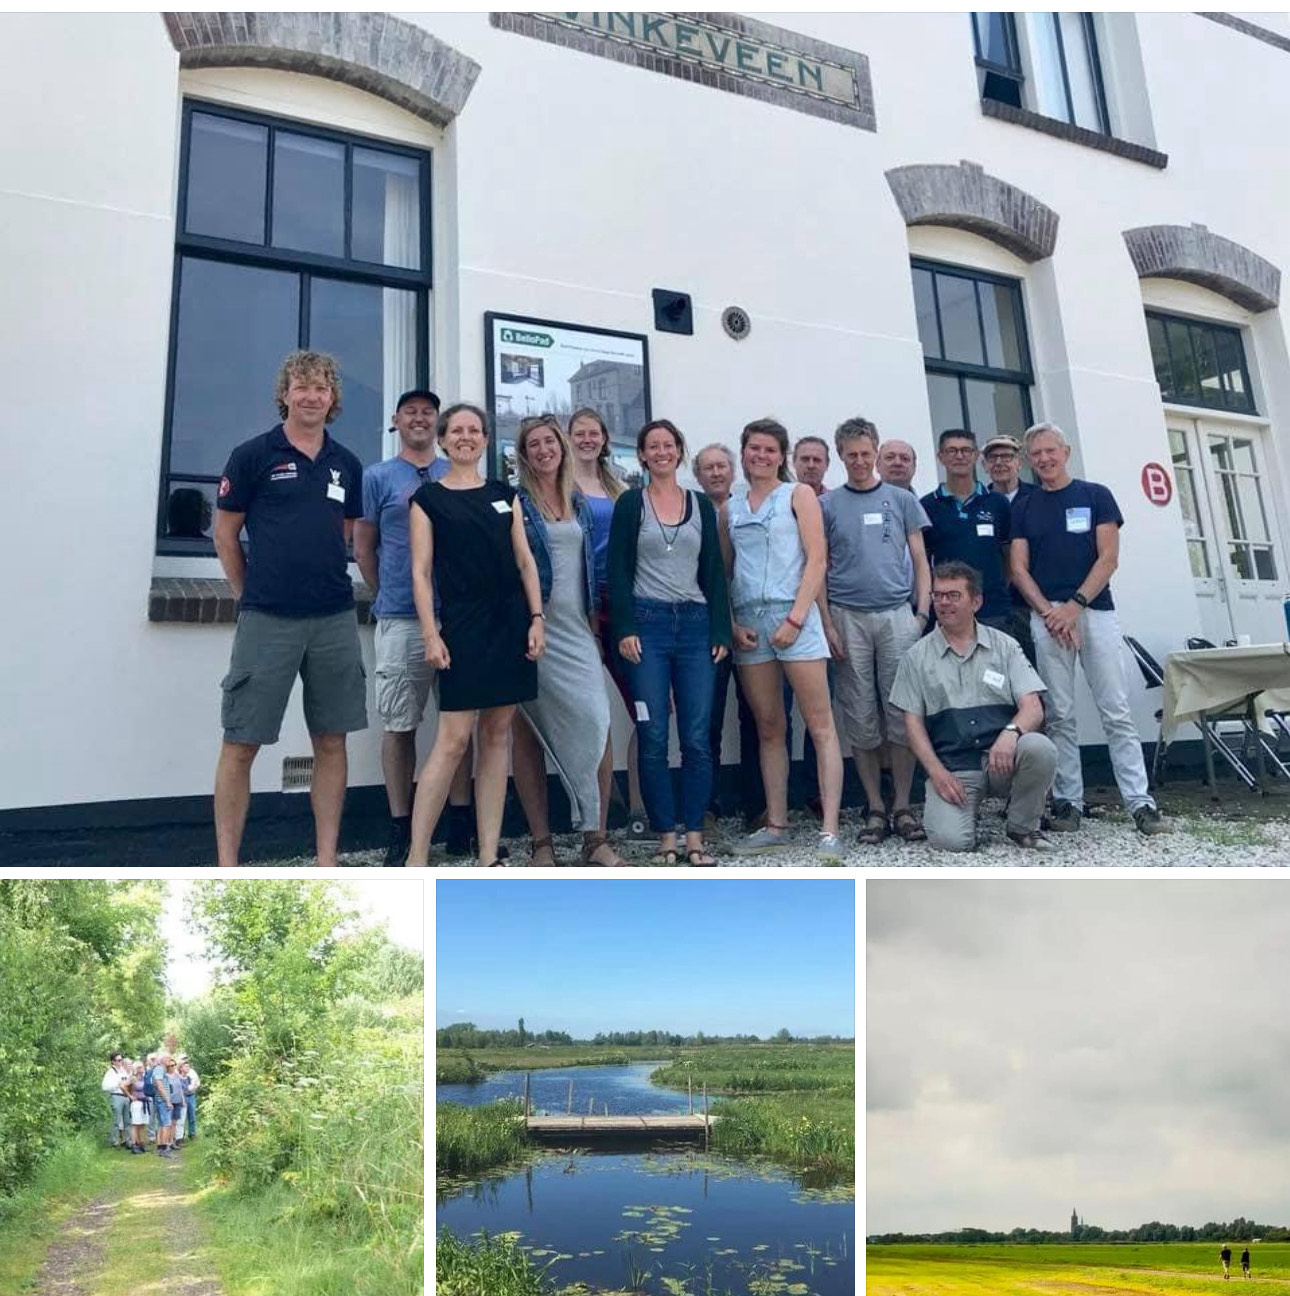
569	719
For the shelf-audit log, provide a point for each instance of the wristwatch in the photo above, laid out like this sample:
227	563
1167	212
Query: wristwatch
1079	598
1012	728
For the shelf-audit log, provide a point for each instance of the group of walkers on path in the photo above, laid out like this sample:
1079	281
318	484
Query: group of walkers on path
152	1101
1225	1255
506	601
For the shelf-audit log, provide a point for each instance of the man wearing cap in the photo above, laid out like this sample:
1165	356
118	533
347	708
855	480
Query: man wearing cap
1002	458
1065	547
297	491
381	548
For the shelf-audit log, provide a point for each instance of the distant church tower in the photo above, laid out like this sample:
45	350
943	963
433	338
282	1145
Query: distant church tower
1074	1225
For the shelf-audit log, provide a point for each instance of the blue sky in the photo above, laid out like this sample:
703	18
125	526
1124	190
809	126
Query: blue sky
742	956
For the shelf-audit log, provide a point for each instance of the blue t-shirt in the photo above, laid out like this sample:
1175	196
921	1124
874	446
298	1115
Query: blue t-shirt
971	531
387	489
296	508
602	513
1061	529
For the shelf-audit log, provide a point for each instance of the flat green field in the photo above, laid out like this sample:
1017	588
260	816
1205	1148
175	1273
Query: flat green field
1113	1269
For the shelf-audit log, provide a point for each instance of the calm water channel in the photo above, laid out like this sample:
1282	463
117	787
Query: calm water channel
608	1218
626	1090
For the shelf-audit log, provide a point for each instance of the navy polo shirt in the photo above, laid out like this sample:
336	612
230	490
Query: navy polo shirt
971	531
1061	529
295	520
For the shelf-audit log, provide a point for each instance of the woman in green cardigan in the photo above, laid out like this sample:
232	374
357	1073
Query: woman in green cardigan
669	613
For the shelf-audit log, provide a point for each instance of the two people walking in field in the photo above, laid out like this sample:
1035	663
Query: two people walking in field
154	1100
1225	1255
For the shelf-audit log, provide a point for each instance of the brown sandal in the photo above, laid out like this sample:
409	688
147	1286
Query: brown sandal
874	831
543	843
593	842
906	826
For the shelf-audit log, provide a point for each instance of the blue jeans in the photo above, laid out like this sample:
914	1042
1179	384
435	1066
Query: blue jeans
676	661
190	1103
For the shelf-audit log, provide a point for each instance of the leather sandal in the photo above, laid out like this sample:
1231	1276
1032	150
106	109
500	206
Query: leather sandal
542	843
665	858
874	830
704	860
597	841
905	825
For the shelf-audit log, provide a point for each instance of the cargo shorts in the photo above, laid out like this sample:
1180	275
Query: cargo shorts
874	643
404	679
270	651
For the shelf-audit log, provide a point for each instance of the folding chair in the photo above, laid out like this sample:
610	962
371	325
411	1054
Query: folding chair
1211	737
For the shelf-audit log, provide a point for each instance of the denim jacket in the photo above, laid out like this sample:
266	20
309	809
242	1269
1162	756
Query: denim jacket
535	532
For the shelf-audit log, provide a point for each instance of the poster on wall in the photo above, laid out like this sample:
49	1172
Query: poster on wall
538	366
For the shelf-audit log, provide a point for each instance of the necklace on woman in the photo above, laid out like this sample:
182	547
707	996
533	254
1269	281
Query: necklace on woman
663	529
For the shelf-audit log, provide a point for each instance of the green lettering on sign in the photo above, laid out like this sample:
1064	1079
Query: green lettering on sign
523	337
745	56
814	74
684	36
651	28
774	66
627	21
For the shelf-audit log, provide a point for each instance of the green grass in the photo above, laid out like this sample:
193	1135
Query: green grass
485	1267
75	1172
813	1134
469	1139
457	1068
1122	1269
265	1244
763	1068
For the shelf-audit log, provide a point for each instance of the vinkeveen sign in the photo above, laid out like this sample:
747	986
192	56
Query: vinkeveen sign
725	51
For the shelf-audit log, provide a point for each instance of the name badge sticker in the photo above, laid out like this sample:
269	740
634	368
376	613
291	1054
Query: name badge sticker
985	528
993	679
1079	521
873	519
337	493
501	506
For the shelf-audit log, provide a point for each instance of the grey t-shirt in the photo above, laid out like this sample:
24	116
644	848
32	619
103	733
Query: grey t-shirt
667	557
867	532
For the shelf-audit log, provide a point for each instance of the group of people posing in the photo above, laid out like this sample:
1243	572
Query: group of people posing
945	631
153	1101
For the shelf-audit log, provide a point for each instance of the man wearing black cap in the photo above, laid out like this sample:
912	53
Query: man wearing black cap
381	548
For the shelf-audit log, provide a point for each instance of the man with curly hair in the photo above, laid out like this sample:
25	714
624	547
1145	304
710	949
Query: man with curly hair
297	491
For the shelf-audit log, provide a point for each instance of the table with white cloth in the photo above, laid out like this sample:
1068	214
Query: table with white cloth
1206	684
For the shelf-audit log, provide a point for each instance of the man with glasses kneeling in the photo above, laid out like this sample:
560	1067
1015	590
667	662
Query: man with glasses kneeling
972	708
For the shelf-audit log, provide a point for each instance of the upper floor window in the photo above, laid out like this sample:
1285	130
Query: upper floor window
1046	62
1199	363
288	236
975	351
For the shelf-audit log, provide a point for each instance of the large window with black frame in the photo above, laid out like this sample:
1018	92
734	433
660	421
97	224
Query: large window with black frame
1199	363
1045	62
288	236
975	351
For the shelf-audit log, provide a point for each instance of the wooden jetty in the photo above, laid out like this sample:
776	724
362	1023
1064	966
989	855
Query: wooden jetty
608	1129
578	1129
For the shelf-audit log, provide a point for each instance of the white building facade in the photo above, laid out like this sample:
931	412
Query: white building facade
928	220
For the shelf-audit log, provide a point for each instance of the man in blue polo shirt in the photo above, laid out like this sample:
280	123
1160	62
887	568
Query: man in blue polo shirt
1065	546
970	524
381	548
297	491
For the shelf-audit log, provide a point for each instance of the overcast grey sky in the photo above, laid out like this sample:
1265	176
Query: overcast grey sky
1120	1047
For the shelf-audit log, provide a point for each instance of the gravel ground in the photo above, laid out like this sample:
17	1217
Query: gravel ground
1231	835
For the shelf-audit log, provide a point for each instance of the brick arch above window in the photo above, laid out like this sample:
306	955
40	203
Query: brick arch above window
375	52
965	197
1191	253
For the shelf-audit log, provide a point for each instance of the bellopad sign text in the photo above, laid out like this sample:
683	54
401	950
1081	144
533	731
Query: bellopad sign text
725	51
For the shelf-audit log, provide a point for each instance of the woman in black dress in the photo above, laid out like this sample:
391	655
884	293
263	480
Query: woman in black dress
468	538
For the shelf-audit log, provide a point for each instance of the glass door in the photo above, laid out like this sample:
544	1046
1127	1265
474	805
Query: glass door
1198	524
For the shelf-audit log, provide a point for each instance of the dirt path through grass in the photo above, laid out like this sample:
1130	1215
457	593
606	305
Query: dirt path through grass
143	1235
